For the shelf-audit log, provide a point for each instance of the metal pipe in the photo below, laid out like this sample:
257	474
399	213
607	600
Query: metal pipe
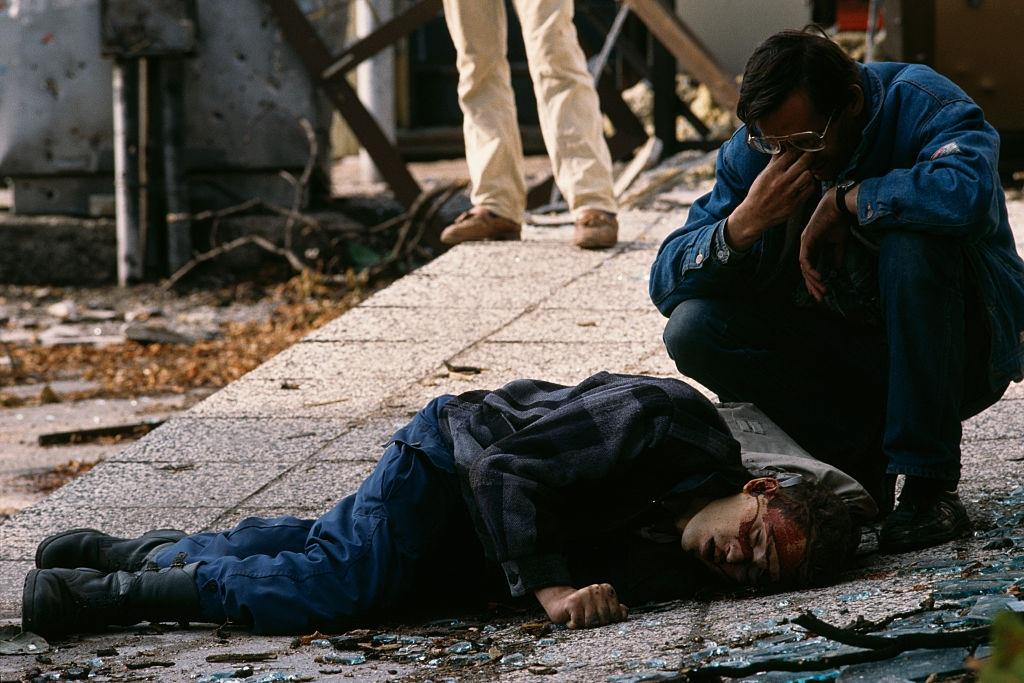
376	78
126	170
869	38
172	101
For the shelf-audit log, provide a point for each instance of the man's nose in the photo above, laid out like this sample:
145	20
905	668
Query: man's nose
734	552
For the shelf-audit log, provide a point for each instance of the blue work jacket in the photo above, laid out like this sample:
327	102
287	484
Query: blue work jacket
927	161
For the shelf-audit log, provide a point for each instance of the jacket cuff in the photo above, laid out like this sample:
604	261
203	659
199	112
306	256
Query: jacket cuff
529	573
872	209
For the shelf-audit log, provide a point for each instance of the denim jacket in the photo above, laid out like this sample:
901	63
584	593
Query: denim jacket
927	161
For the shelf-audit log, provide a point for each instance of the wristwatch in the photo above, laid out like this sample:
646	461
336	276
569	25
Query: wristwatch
841	190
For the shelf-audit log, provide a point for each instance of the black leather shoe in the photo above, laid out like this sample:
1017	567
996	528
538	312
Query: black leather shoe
922	521
56	602
96	550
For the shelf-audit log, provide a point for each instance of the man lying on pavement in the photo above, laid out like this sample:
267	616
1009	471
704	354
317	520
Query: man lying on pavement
620	490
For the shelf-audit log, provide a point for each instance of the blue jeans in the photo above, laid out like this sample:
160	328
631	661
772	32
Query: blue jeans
867	399
403	535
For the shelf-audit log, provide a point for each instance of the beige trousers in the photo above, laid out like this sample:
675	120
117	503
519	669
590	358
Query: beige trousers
570	116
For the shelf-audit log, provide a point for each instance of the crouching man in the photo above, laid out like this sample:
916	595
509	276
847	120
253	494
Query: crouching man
620	490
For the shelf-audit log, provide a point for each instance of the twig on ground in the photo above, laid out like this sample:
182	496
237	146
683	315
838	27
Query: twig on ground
413	222
263	243
300	185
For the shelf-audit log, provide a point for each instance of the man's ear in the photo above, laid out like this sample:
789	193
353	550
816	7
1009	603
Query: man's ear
762	486
856	100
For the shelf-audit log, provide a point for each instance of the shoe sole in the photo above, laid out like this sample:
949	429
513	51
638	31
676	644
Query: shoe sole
56	537
28	621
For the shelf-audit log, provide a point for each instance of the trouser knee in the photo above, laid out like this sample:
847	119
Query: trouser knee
913	263
688	336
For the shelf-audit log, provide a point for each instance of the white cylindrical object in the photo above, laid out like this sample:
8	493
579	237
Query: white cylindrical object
375	77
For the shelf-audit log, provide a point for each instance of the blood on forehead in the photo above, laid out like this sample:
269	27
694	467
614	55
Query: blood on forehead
790	541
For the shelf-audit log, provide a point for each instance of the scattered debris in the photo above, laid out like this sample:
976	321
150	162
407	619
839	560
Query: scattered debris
55	477
76	436
22	643
241	657
149	333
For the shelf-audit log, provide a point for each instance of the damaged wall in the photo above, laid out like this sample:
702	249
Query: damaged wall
245	91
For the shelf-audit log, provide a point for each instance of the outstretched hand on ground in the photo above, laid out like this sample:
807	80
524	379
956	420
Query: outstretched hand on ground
595	605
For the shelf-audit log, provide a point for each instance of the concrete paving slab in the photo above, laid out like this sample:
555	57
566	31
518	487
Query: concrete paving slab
167	484
515	260
12	578
411	325
1015	390
1003	420
585	327
463	291
316	484
327	398
229	519
501	362
380	363
602	291
242	440
365	442
20	535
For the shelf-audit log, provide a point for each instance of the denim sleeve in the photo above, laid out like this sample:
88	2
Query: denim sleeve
685	267
951	188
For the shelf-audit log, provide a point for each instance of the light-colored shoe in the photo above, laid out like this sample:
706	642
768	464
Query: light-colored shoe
480	224
595	229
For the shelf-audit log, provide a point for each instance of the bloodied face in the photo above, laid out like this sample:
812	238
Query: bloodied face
747	537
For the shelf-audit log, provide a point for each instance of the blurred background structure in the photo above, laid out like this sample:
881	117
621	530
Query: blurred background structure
200	105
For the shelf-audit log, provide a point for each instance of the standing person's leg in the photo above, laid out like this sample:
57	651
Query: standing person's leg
494	150
822	380
570	114
935	381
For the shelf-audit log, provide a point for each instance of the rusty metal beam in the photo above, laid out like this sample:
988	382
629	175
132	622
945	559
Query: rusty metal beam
315	56
684	45
389	32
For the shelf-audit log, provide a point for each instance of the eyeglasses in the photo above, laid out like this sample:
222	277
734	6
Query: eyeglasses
808	141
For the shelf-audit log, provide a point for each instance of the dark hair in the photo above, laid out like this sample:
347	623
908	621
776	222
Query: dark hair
793	60
832	537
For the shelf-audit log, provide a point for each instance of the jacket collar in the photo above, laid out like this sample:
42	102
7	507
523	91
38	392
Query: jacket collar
873	98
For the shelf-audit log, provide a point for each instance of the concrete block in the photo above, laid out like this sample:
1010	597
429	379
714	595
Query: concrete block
20	535
12	580
603	290
384	364
229	519
501	362
314	485
520	261
137	485
325	398
584	327
222	440
366	441
411	325
463	291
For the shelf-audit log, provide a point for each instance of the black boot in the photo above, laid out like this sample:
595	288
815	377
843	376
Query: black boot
97	550
927	515
57	602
